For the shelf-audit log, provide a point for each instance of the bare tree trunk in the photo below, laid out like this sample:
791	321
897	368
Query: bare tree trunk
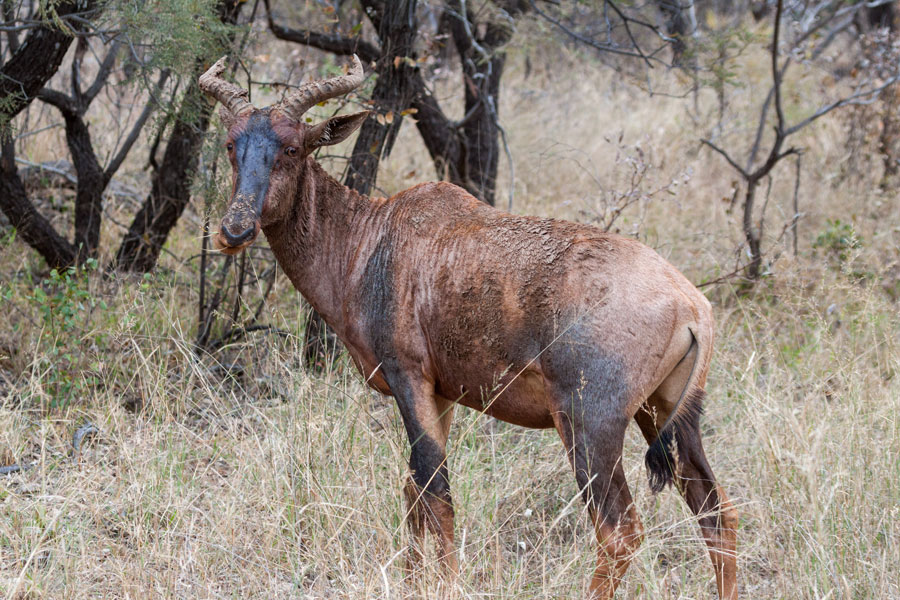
466	152
91	180
392	93
438	132
752	234
171	187
89	193
35	230
482	64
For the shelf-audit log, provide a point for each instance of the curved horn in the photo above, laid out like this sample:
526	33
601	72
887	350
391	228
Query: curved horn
233	97
298	102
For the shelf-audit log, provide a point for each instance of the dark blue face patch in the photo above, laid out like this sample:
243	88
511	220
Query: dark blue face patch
255	150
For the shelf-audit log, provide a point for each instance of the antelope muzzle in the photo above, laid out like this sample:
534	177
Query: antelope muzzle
254	157
240	226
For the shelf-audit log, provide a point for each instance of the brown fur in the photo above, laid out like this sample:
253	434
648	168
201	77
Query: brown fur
441	299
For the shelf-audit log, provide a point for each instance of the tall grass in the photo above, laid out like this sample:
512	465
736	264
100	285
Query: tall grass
240	475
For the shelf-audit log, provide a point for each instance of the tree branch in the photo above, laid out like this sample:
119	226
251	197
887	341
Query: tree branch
36	61
764	113
438	132
776	74
9	15
596	45
102	74
731	161
634	42
863	97
81	47
329	42
151	105
66	105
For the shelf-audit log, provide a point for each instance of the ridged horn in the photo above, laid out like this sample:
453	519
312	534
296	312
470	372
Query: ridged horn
233	97
298	102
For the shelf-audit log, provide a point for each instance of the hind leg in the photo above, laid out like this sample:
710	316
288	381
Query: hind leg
595	451
697	484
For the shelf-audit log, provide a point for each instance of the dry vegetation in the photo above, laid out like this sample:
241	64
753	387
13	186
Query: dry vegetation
239	475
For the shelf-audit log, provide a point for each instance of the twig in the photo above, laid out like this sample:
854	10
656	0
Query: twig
151	105
872	95
46	167
37	131
237	333
607	47
796	217
723	278
464	19
730	160
634	42
764	113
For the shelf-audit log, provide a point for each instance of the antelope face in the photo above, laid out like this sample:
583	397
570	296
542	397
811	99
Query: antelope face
265	153
268	148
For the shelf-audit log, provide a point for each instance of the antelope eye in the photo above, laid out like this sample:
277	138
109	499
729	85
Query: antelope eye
290	151
229	146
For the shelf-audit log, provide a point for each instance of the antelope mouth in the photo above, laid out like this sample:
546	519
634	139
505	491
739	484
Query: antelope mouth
227	243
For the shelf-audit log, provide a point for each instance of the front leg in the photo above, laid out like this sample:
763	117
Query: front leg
427	417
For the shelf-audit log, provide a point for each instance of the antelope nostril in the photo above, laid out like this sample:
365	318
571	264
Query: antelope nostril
237	240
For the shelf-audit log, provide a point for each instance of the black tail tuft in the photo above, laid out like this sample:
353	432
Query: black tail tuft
660	461
661	458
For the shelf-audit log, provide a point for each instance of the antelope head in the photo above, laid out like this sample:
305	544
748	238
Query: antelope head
268	147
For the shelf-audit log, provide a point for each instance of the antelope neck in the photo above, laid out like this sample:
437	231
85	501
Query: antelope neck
327	227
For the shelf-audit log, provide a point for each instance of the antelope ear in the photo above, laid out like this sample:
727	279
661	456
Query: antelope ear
334	130
227	117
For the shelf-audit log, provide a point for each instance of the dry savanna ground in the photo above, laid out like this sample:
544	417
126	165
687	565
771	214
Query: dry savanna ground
240	475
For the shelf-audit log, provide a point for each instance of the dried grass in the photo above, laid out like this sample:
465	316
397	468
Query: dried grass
241	476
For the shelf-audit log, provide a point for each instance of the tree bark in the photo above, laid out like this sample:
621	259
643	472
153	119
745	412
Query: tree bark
91	179
681	24
34	228
171	186
35	61
441	138
89	193
482	61
391	96
752	234
465	153
329	42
